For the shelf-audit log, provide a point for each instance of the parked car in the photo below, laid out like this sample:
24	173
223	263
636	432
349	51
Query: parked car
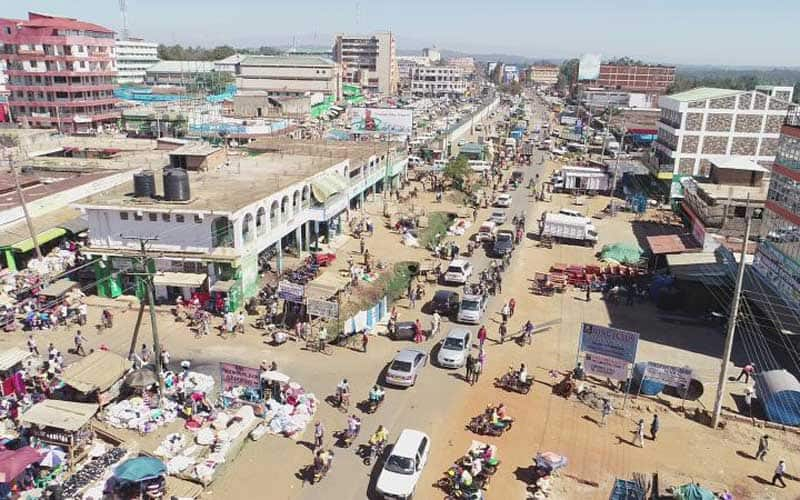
405	368
458	272
454	348
471	309
402	470
503	243
487	231
498	217
445	302
503	200
403	330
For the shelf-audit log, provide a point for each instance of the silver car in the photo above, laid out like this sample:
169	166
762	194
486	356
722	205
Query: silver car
404	369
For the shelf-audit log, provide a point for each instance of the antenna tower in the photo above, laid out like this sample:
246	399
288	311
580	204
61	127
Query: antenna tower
123	8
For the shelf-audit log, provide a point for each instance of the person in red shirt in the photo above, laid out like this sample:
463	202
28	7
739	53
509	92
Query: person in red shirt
746	372
482	335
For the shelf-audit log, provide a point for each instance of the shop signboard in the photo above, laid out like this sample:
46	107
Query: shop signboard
233	375
322	308
394	121
291	291
674	376
611	342
605	367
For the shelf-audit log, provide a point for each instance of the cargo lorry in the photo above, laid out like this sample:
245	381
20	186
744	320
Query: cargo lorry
568	228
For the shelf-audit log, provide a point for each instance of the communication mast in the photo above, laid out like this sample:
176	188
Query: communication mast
123	8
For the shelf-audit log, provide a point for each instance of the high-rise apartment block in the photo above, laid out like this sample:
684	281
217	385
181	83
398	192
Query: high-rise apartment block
134	56
438	81
544	74
700	124
369	61
778	257
60	71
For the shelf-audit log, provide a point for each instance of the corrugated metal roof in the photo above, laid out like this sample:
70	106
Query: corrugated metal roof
703	93
286	61
11	357
181	67
65	415
97	371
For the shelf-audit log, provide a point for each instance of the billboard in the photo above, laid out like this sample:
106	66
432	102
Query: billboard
605	367
589	67
393	121
610	342
233	375
291	292
675	376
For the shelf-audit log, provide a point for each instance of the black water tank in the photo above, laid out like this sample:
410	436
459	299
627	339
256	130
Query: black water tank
176	185
144	184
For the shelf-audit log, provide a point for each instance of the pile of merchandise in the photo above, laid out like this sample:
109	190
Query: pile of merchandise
135	414
291	418
95	469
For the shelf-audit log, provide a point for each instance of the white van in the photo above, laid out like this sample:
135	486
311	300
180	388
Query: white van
479	165
487	231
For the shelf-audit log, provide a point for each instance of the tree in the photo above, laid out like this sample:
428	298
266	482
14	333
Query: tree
457	171
568	73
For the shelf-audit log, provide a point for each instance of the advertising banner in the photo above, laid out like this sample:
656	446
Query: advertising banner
291	291
233	375
611	342
605	367
589	67
674	376
392	121
322	308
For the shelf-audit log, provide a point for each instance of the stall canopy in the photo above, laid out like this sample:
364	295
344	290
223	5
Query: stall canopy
13	462
139	469
65	415
693	492
190	280
326	286
12	357
779	392
97	371
327	185
59	288
223	286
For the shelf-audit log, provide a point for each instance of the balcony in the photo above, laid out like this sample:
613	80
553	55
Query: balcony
793	118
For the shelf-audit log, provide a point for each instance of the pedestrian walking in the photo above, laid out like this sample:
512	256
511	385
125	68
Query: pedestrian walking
476	371
588	292
32	347
639	433
503	331
474	214
780	471
481	336
364	341
655	425
504	312
418	335
605	412
748	401
435	323
82	313
412	299
240	322
319	434
79	340
763	448
469	366
746	372
362	245
165	358
512	306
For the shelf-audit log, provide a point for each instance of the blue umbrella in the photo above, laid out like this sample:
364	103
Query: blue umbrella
140	468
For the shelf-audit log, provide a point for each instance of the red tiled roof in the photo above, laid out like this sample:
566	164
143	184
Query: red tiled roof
673	243
44	21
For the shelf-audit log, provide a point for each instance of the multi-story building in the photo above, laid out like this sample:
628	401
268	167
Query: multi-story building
703	123
134	57
229	64
369	61
60	72
432	54
437	81
778	256
467	65
289	75
3	78
178	73
544	74
646	78
226	220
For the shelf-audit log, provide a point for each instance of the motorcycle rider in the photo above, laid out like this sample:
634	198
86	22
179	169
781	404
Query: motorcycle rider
376	394
379	438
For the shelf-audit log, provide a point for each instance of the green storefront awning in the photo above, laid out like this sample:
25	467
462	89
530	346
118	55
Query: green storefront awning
43	237
327	185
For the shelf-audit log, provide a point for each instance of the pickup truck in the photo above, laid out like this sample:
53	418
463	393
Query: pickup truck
503	242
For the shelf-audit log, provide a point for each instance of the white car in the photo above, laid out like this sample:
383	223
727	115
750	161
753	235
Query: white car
503	200
498	217
471	309
454	348
458	272
400	474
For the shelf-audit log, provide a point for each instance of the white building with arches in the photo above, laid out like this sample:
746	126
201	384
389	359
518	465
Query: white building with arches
239	217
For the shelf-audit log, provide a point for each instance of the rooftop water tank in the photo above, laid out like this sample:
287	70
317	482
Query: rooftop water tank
176	185
144	184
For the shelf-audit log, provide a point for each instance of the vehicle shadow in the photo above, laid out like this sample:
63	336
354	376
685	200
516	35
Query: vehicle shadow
377	466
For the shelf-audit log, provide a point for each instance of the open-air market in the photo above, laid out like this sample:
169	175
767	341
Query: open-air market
345	271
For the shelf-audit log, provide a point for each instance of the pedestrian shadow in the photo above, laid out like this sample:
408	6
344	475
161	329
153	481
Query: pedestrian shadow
591	419
524	474
622	440
307	444
744	454
458	376
759	479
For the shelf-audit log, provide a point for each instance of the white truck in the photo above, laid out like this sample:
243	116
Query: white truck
562	227
582	179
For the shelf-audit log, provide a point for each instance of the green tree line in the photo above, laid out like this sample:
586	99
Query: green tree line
180	53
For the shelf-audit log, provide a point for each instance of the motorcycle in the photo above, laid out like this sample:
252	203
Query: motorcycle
370	406
373	452
510	382
316	472
345	438
482	425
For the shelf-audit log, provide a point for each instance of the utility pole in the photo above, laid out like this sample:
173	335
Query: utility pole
147	278
27	214
732	320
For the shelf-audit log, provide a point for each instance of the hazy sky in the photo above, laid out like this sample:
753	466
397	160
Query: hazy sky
732	32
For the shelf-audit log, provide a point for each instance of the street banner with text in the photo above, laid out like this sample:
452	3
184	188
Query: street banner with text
610	342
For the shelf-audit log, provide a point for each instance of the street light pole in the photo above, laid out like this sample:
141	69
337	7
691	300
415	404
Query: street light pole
732	320
24	204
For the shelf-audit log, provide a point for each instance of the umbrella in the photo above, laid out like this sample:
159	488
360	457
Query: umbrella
52	458
693	492
140	468
143	377
275	376
13	462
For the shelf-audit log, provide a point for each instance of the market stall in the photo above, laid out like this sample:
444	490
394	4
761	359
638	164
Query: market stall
13	465
62	423
96	378
11	367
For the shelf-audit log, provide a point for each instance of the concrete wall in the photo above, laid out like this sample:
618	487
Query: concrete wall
466	127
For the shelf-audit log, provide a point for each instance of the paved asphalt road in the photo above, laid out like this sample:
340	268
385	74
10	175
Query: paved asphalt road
422	406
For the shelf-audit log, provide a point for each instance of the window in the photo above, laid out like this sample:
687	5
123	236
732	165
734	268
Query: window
137	216
153	217
165	217
179	218
198	219
123	215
